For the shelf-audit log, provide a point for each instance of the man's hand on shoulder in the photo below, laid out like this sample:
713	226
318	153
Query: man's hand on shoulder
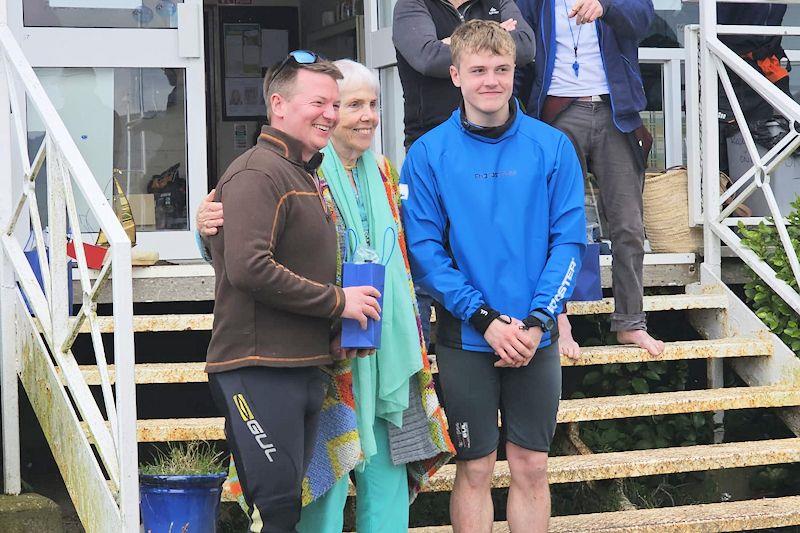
509	24
586	11
209	216
513	345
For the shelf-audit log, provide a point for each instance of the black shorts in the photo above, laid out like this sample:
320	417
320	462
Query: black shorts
473	390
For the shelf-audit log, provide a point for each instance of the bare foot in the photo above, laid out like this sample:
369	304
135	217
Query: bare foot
642	339
566	344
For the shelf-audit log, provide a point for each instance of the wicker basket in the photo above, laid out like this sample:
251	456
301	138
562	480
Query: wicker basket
666	213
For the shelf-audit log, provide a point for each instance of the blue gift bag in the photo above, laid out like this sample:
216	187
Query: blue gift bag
355	275
372	274
587	285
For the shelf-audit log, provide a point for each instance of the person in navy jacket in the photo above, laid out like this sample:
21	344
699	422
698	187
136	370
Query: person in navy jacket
495	227
586	82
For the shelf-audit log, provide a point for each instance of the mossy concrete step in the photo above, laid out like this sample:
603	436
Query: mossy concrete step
29	512
667	302
147	373
670	403
203	322
673	351
561	469
601	408
575	468
706	518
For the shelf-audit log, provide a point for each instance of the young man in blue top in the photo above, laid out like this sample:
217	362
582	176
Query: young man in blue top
586	82
495	226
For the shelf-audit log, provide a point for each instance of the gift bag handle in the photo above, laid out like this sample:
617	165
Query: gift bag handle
390	231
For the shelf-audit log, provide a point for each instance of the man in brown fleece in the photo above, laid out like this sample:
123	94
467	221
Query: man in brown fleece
276	298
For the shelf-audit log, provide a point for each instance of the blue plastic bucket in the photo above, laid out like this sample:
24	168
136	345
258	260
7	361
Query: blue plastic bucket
174	504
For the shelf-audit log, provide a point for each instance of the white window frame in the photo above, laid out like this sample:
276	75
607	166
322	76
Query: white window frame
180	48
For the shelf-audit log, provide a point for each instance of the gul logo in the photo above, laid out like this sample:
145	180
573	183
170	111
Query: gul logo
254	427
494	11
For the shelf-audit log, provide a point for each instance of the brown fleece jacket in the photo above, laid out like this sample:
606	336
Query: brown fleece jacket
274	260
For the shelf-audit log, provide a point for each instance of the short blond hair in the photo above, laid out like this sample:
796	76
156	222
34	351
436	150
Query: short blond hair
476	36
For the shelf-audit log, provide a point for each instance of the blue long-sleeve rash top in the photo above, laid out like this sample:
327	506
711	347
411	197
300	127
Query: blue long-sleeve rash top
489	221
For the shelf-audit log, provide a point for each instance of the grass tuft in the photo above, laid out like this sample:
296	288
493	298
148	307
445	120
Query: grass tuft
185	459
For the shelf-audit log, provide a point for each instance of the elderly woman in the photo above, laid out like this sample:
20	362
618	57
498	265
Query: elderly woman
397	437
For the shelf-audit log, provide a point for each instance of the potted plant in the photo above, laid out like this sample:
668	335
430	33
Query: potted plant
181	488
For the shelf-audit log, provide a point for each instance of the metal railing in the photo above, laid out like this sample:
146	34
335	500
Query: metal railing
707	65
94	445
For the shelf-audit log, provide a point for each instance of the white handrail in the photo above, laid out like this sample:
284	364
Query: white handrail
117	447
716	60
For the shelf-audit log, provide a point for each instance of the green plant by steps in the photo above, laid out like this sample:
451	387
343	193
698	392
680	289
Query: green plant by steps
765	242
185	459
647	432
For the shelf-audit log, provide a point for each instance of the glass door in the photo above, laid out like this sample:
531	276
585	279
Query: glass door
128	79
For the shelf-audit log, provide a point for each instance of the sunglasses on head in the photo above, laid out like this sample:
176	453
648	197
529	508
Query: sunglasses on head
298	57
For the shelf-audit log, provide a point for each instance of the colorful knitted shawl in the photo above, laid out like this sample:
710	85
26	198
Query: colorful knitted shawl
337	450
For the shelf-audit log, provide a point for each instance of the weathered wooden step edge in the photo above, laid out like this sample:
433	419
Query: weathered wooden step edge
705	518
149	373
202	322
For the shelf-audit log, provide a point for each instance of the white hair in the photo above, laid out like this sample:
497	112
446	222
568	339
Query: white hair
356	75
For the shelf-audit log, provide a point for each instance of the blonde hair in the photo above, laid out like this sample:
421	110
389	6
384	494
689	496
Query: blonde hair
476	36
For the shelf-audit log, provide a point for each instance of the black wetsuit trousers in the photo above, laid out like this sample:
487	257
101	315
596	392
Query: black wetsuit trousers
271	418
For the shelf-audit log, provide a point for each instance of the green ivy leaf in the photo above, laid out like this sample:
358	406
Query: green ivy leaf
640	385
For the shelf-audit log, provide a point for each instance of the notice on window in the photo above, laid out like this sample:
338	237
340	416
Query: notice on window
244	97
274	46
242	50
240	136
97	4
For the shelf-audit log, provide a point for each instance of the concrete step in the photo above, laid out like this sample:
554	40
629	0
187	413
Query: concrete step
562	469
613	465
702	349
24	513
714	517
595	355
670	403
670	302
203	322
602	408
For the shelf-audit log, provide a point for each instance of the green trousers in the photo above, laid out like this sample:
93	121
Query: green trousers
381	497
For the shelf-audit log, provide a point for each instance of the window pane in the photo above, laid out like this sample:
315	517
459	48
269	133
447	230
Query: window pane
653	115
666	31
130	125
101	13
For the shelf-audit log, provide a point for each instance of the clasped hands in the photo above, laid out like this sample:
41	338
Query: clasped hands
512	341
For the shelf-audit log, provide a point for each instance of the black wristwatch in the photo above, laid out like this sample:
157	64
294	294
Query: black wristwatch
540	318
